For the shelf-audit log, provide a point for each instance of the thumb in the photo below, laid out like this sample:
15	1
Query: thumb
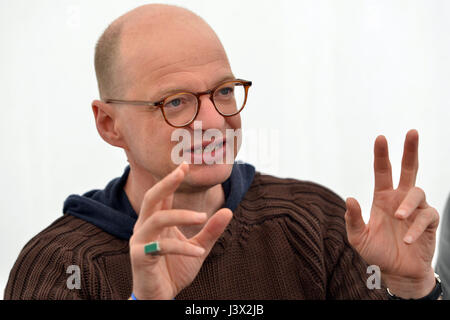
354	222
213	229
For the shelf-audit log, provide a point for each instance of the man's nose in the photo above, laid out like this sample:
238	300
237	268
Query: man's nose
208	115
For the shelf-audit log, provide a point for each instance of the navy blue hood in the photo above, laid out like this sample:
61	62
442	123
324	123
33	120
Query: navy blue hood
110	210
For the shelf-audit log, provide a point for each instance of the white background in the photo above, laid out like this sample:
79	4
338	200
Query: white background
329	76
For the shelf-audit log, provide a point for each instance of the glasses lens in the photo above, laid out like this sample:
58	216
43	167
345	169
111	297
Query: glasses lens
180	109
230	98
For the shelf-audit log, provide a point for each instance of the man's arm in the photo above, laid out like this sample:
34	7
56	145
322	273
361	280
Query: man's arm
351	278
40	273
60	263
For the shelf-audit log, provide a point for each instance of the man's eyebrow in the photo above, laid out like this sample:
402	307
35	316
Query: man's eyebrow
163	93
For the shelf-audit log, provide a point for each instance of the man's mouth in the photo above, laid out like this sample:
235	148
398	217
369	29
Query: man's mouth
207	147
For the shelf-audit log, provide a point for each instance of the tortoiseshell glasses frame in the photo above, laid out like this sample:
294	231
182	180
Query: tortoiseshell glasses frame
162	103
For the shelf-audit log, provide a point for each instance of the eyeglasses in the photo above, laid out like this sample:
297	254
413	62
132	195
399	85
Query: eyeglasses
180	109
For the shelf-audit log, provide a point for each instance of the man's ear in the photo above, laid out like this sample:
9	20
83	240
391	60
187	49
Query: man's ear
106	121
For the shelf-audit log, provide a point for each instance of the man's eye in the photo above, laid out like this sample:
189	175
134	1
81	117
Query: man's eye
174	103
226	91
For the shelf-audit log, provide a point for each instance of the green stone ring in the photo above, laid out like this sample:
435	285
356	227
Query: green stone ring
152	248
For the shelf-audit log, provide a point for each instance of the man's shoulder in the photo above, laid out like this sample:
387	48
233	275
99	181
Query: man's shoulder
301	202
49	256
293	190
72	236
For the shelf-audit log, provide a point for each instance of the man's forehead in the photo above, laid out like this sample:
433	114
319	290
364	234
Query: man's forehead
165	69
164	88
177	41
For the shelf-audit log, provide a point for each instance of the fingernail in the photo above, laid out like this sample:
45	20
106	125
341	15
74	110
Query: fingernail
183	164
202	215
408	239
400	213
200	250
179	168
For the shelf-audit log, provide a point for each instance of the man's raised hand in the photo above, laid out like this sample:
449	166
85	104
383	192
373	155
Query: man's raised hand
400	236
164	275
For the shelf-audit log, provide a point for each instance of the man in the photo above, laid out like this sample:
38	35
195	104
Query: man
193	230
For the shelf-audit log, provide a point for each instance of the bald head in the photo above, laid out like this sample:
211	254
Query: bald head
118	56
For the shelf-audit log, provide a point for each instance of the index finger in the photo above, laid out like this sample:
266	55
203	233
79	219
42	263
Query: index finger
410	160
382	165
162	190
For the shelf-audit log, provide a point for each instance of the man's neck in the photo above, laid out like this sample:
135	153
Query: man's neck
203	200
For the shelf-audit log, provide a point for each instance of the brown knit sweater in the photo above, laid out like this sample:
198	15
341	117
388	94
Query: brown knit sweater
287	240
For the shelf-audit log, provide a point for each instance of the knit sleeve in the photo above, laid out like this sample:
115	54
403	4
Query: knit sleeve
43	272
349	276
53	266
